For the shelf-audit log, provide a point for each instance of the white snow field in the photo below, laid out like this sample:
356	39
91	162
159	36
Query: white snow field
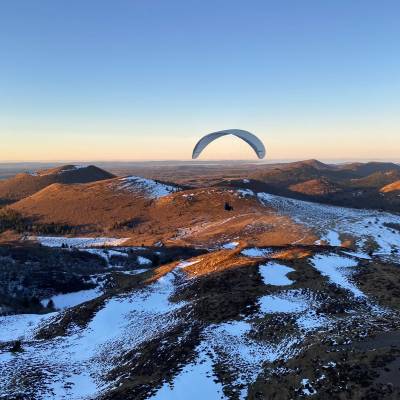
78	242
67	300
275	274
291	301
73	168
153	189
21	326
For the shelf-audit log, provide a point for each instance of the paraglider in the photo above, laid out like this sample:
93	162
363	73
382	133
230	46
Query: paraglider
253	141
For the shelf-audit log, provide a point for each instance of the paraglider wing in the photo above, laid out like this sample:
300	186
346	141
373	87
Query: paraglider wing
253	141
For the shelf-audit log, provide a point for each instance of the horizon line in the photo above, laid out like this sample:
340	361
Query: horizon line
264	161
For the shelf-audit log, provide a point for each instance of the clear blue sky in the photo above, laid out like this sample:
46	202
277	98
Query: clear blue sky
84	80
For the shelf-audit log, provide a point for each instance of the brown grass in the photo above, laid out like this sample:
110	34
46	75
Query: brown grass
195	217
392	187
292	254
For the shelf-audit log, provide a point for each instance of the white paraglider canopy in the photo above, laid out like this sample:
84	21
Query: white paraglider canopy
252	140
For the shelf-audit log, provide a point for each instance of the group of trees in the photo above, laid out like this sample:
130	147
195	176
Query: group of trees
128	224
30	274
12	220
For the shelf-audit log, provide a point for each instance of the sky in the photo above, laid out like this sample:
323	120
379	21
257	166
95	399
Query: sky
144	80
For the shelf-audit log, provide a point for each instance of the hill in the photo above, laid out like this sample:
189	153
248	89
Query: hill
365	169
26	184
292	173
301	171
150	212
376	180
315	187
352	185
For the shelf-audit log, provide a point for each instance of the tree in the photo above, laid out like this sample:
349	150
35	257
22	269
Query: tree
17	347
228	207
156	260
50	304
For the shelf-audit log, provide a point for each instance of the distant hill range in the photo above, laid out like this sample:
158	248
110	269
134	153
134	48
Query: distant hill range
359	185
301	171
26	184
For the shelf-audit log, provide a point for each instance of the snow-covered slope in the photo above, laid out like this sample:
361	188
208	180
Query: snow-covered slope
83	357
152	188
332	221
80	363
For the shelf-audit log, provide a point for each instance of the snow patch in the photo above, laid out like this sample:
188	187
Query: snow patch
256	252
294	302
245	192
275	274
78	242
106	253
194	382
286	302
143	261
230	245
67	300
332	238
336	268
152	188
307	389
73	168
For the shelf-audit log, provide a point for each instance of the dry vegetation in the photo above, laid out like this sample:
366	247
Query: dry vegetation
195	217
